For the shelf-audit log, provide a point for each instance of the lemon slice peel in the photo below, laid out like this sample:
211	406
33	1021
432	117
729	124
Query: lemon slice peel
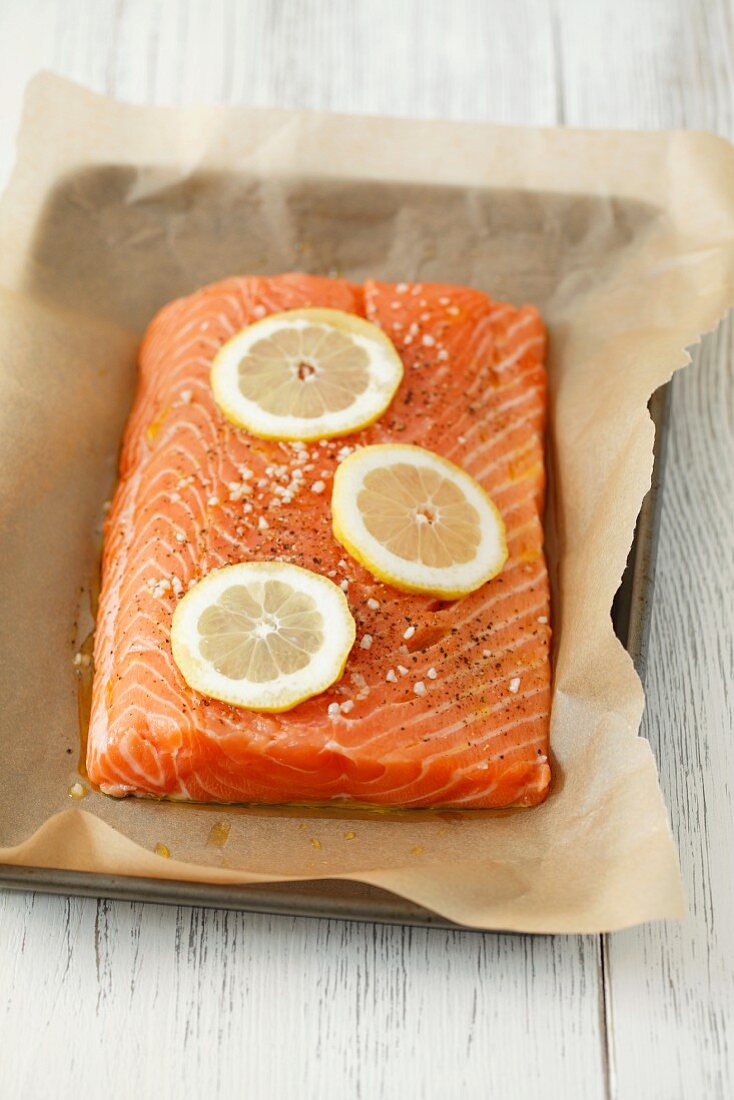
263	636
306	374
416	521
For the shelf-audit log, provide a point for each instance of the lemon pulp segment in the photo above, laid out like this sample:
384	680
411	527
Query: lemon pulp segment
306	374
262	635
417	521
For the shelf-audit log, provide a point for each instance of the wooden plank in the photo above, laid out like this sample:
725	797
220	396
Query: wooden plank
292	1007
653	63
671	994
142	998
670	987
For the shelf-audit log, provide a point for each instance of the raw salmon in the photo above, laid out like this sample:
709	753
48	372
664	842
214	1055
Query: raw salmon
474	391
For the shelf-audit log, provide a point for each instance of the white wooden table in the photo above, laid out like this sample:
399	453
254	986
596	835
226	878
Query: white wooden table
119	1000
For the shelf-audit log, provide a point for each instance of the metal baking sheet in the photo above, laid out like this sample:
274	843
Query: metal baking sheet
342	900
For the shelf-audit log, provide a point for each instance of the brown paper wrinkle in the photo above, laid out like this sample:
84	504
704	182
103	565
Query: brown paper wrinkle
626	244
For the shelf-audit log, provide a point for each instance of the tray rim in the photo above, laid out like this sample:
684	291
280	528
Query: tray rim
342	899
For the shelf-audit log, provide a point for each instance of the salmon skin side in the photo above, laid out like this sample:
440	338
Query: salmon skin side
192	492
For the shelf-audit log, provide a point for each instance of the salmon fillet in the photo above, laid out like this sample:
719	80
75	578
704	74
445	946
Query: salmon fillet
474	391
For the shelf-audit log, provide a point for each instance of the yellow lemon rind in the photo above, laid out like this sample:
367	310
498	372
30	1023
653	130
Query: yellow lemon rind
222	386
189	663
448	591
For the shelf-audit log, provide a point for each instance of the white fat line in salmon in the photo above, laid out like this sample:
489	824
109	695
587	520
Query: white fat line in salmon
422	718
479	745
491	443
426	765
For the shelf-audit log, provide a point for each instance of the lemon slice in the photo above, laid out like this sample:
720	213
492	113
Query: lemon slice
416	521
306	374
262	635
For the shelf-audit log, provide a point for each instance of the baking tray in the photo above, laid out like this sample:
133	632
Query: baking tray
340	899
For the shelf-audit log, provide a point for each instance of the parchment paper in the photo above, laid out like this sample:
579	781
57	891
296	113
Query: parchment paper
624	241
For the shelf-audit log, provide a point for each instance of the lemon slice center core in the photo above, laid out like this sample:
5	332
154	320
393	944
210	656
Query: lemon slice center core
419	515
304	370
260	632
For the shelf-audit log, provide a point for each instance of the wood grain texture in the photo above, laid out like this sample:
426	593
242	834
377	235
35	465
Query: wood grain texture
222	1004
266	1007
670	987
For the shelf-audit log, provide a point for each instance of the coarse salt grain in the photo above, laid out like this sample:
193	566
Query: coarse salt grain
366	642
431	674
373	604
213	502
401	288
514	684
186	396
176	585
403	670
318	487
428	341
258	311
180	536
391	677
332	710
263	524
237	491
442	355
344	585
486	653
542	618
419	688
346	706
409	632
444	301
